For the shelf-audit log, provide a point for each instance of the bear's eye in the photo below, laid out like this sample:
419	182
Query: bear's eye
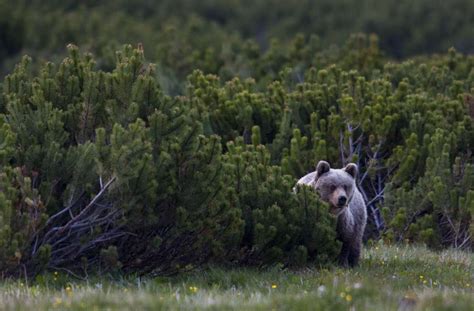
346	188
332	188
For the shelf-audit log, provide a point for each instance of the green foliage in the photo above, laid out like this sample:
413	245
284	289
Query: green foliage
226	37
437	209
238	38
22	215
115	161
103	168
279	226
383	122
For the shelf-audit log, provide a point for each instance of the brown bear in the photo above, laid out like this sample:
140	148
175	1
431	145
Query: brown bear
338	188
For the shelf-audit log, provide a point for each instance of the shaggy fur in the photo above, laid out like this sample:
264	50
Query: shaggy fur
338	188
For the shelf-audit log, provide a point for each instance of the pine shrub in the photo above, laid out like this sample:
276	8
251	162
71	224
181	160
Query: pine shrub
102	170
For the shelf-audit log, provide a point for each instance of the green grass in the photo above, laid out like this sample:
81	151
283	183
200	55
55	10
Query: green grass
389	278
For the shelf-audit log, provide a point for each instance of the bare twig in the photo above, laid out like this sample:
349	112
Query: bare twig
86	209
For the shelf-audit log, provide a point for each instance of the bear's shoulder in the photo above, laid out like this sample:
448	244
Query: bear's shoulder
307	179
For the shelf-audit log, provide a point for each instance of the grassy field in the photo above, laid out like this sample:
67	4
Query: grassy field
389	278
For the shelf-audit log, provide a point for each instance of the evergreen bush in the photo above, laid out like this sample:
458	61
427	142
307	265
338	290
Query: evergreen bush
100	169
110	161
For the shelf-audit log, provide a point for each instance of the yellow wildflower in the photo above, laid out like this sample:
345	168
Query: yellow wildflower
57	302
69	290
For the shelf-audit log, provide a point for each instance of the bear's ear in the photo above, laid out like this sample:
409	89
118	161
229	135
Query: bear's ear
351	169
322	168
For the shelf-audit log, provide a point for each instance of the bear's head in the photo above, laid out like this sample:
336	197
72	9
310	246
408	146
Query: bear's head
335	186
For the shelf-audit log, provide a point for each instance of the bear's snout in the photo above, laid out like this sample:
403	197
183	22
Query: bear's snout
341	201
338	198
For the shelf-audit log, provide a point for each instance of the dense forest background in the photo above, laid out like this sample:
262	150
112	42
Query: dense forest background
212	28
154	136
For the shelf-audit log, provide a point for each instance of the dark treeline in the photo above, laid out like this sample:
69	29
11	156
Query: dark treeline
405	28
